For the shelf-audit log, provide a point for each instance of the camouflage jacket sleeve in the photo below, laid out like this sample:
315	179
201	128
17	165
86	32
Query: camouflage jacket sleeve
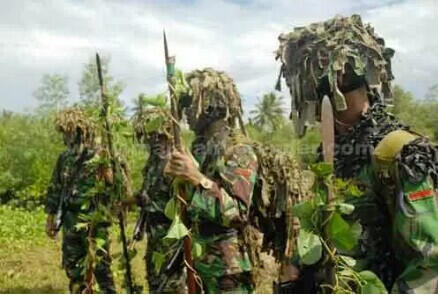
142	196
227	201
413	204
55	187
416	216
156	188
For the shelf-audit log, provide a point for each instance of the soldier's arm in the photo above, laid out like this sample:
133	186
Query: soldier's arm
142	197
226	200
416	214
410	164
55	187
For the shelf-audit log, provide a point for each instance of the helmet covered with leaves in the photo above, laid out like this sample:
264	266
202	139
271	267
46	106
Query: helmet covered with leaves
315	58
152	120
74	122
210	95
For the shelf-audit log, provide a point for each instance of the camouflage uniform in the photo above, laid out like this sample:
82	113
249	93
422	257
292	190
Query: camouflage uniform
219	214
153	197
158	189
78	169
395	168
219	211
398	210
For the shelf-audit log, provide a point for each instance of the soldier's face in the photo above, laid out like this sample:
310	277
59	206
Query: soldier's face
357	104
68	139
203	123
72	140
159	145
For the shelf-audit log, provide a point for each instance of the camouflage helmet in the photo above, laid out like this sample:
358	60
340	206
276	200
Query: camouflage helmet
152	120
314	58
209	90
72	120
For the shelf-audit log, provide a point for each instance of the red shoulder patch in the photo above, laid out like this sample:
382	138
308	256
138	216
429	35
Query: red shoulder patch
421	195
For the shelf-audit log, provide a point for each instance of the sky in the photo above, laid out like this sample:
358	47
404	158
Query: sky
236	36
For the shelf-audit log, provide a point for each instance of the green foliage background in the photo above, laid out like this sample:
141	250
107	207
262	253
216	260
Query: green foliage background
30	145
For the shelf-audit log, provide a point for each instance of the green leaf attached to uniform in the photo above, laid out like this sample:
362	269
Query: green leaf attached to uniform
154	124
322	169
197	250
343	235
82	226
177	230
354	190
304	211
345	208
371	283
170	209
100	244
158	259
351	262
309	247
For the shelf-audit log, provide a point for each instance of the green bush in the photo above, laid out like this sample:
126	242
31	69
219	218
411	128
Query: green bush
20	228
29	149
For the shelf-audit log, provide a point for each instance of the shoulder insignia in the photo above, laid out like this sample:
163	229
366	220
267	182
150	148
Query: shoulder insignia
415	196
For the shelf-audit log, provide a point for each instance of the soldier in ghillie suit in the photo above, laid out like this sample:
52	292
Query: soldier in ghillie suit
153	127
79	199
395	168
221	187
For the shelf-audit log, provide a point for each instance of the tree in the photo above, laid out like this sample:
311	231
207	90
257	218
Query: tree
30	146
432	92
53	93
403	100
420	115
89	89
269	112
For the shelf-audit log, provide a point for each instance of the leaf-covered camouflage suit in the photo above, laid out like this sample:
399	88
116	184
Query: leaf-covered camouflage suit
395	168
153	127
218	208
80	184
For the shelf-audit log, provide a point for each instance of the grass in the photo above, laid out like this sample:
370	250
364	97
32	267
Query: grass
31	263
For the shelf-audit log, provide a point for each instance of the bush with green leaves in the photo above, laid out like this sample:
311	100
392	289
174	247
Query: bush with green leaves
21	229
29	149
325	235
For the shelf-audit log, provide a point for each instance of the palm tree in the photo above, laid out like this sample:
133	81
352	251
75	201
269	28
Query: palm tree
269	112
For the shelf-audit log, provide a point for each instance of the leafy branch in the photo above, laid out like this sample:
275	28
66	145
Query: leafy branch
319	229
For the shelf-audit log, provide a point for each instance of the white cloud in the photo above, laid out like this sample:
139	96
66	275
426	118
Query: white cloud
236	36
408	27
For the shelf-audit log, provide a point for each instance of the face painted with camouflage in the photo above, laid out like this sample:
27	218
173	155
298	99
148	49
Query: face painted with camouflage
77	129
333	58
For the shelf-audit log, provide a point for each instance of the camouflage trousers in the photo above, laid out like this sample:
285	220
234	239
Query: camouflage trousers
224	267
74	250
417	280
229	284
176	282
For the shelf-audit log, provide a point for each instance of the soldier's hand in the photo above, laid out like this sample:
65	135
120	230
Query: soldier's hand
182	165
289	273
50	226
